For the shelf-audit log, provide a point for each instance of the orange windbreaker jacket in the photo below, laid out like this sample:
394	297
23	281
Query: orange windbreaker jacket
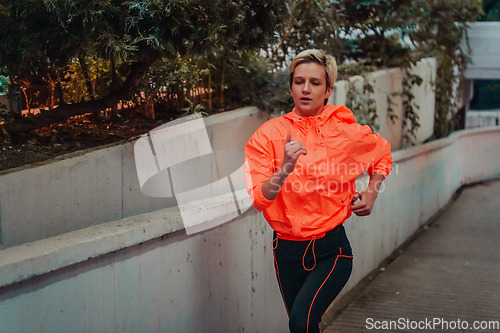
316	196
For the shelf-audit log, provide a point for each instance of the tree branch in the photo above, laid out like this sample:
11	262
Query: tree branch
65	111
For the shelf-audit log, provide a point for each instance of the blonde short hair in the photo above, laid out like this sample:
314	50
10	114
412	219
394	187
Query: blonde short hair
320	57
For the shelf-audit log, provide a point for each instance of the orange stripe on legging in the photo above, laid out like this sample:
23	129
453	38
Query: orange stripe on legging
334	264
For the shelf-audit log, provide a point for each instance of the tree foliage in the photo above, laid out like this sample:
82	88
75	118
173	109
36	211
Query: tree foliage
89	55
491	11
383	33
58	41
439	32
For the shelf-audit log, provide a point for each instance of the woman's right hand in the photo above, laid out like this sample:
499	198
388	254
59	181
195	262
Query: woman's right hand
293	149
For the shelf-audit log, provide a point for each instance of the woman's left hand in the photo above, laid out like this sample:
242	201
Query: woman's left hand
365	206
367	198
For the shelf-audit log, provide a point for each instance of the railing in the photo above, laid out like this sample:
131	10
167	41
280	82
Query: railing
482	118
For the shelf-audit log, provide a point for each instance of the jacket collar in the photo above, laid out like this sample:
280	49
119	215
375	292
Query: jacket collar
338	113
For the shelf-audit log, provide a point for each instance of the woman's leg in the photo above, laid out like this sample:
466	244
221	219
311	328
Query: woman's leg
291	277
307	292
318	291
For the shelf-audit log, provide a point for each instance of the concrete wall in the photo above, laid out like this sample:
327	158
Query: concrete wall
388	82
425	97
484	40
218	281
143	273
423	180
95	186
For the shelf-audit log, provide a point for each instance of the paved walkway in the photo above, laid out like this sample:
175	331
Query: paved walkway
450	273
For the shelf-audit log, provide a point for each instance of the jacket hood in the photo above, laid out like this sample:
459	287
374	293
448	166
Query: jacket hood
339	112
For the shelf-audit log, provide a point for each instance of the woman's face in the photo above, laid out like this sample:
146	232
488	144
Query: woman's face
309	89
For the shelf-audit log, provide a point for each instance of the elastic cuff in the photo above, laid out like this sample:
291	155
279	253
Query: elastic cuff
383	172
260	199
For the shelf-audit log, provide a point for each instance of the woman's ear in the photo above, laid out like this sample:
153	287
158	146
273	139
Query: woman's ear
328	92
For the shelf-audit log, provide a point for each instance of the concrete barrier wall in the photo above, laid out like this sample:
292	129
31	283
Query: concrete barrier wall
387	84
101	185
484	41
217	281
423	180
95	186
143	273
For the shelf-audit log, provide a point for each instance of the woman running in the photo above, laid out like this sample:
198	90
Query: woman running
300	171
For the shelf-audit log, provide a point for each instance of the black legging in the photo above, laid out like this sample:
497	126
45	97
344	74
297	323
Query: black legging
310	275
